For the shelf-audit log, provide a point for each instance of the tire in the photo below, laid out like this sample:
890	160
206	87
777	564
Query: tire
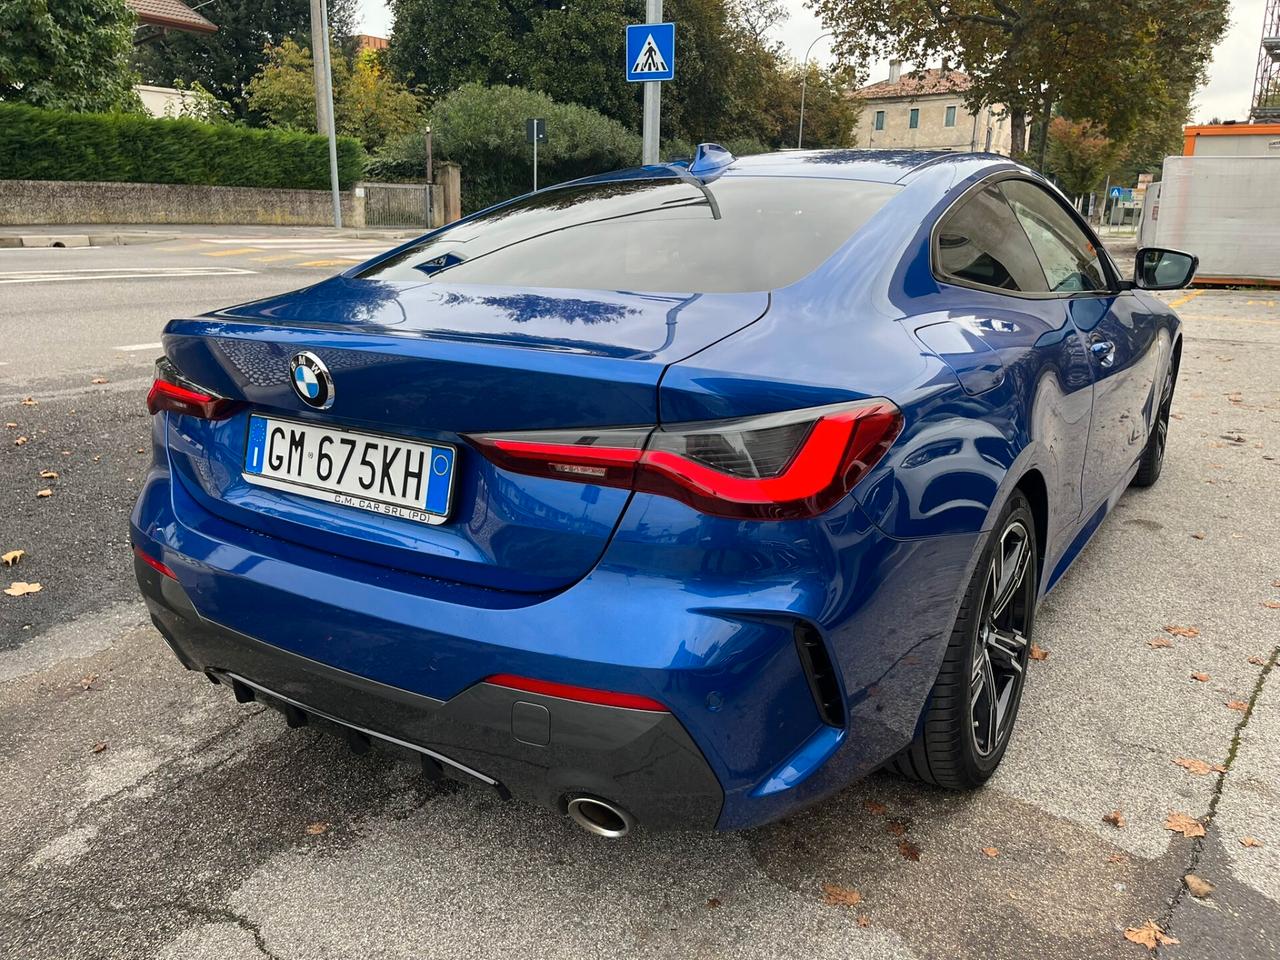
1152	461
954	747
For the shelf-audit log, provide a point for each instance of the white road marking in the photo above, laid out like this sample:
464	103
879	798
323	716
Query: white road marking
118	273
137	347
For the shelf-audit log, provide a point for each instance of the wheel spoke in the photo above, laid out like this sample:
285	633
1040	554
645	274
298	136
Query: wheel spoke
993	705
1006	647
1012	565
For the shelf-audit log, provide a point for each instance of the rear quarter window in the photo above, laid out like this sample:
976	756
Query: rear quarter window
733	235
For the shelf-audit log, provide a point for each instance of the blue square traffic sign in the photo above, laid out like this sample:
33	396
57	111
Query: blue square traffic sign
651	52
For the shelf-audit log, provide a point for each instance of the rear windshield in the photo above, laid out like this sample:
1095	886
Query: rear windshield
659	236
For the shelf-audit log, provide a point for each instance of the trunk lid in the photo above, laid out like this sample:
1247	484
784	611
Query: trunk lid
430	362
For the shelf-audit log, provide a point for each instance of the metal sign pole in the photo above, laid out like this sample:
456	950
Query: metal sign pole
333	136
652	99
535	163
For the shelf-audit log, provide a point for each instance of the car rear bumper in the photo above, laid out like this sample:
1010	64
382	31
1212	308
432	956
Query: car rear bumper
704	616
543	748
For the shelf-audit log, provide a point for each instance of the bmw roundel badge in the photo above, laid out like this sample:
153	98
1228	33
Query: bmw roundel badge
311	380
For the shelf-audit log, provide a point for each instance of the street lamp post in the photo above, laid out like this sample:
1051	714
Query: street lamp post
804	82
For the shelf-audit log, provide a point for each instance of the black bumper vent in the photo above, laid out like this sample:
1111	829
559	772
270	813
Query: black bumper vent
820	673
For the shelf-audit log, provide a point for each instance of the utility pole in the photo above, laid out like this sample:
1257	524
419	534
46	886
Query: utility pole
652	99
318	44
327	78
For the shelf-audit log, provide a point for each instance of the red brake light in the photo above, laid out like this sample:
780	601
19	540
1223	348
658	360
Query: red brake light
153	563
568	691
776	467
173	392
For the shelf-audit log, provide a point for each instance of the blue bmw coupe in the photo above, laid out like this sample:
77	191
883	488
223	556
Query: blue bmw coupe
675	497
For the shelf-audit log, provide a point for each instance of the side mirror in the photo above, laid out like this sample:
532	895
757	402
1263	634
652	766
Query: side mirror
1159	269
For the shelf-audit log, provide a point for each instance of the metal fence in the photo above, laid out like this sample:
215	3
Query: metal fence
397	204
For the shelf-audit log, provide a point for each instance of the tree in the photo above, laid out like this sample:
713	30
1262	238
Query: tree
1099	60
224	62
368	103
69	55
1080	155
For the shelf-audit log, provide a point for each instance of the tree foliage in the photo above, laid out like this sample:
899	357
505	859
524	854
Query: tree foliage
732	80
1080	155
224	62
67	55
1100	61
369	104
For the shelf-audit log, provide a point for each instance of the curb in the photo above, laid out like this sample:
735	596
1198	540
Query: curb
50	240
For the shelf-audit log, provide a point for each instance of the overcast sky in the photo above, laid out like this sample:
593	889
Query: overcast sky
1225	96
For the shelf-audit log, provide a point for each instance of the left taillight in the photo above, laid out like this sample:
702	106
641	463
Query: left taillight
173	392
780	466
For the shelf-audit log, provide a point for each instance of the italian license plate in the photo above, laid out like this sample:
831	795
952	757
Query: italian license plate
387	475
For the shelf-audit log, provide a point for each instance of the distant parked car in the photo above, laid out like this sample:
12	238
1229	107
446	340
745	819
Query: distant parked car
680	496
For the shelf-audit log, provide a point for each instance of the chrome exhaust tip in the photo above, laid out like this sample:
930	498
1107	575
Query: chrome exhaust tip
599	817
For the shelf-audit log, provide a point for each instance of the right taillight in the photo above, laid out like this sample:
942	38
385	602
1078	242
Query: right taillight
173	392
780	466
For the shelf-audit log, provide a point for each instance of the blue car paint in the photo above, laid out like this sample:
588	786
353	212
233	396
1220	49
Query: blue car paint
647	595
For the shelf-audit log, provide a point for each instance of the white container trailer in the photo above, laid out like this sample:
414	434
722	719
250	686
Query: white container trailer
1225	210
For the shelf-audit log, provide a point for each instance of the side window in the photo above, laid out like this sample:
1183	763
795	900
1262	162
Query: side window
879	119
981	242
950	120
1068	256
914	120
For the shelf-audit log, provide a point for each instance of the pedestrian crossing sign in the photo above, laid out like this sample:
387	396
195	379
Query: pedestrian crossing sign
651	52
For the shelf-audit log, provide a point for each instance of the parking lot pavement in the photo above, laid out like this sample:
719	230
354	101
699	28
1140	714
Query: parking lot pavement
146	814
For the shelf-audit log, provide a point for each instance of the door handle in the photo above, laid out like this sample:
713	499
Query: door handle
1105	352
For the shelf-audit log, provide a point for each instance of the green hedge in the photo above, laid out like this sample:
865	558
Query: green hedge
50	145
483	129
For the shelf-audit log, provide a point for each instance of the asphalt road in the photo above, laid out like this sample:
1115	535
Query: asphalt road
203	828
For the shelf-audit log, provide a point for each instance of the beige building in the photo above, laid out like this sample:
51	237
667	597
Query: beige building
923	110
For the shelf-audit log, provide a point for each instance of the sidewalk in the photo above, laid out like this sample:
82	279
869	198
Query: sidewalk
103	235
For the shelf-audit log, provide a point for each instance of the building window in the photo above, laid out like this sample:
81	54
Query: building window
879	119
951	116
915	119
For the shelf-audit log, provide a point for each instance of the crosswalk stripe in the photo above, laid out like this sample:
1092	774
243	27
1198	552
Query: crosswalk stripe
325	263
229	253
278	256
277	241
137	347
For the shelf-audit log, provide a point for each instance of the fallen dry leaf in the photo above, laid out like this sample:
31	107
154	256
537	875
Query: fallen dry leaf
992	852
1038	652
1274	583
1156	643
1199	767
20	588
1201	677
100	746
1118	858
909	850
1250	842
46	492
1257	661
48	474
896	827
86	682
864	920
713	903
1271	604
1181	631
1115	818
19	441
98	380
874	807
9	424
1198	886
1197	536
838	896
12	557
1183	824
317	828
1241	705
1148	935
29	401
